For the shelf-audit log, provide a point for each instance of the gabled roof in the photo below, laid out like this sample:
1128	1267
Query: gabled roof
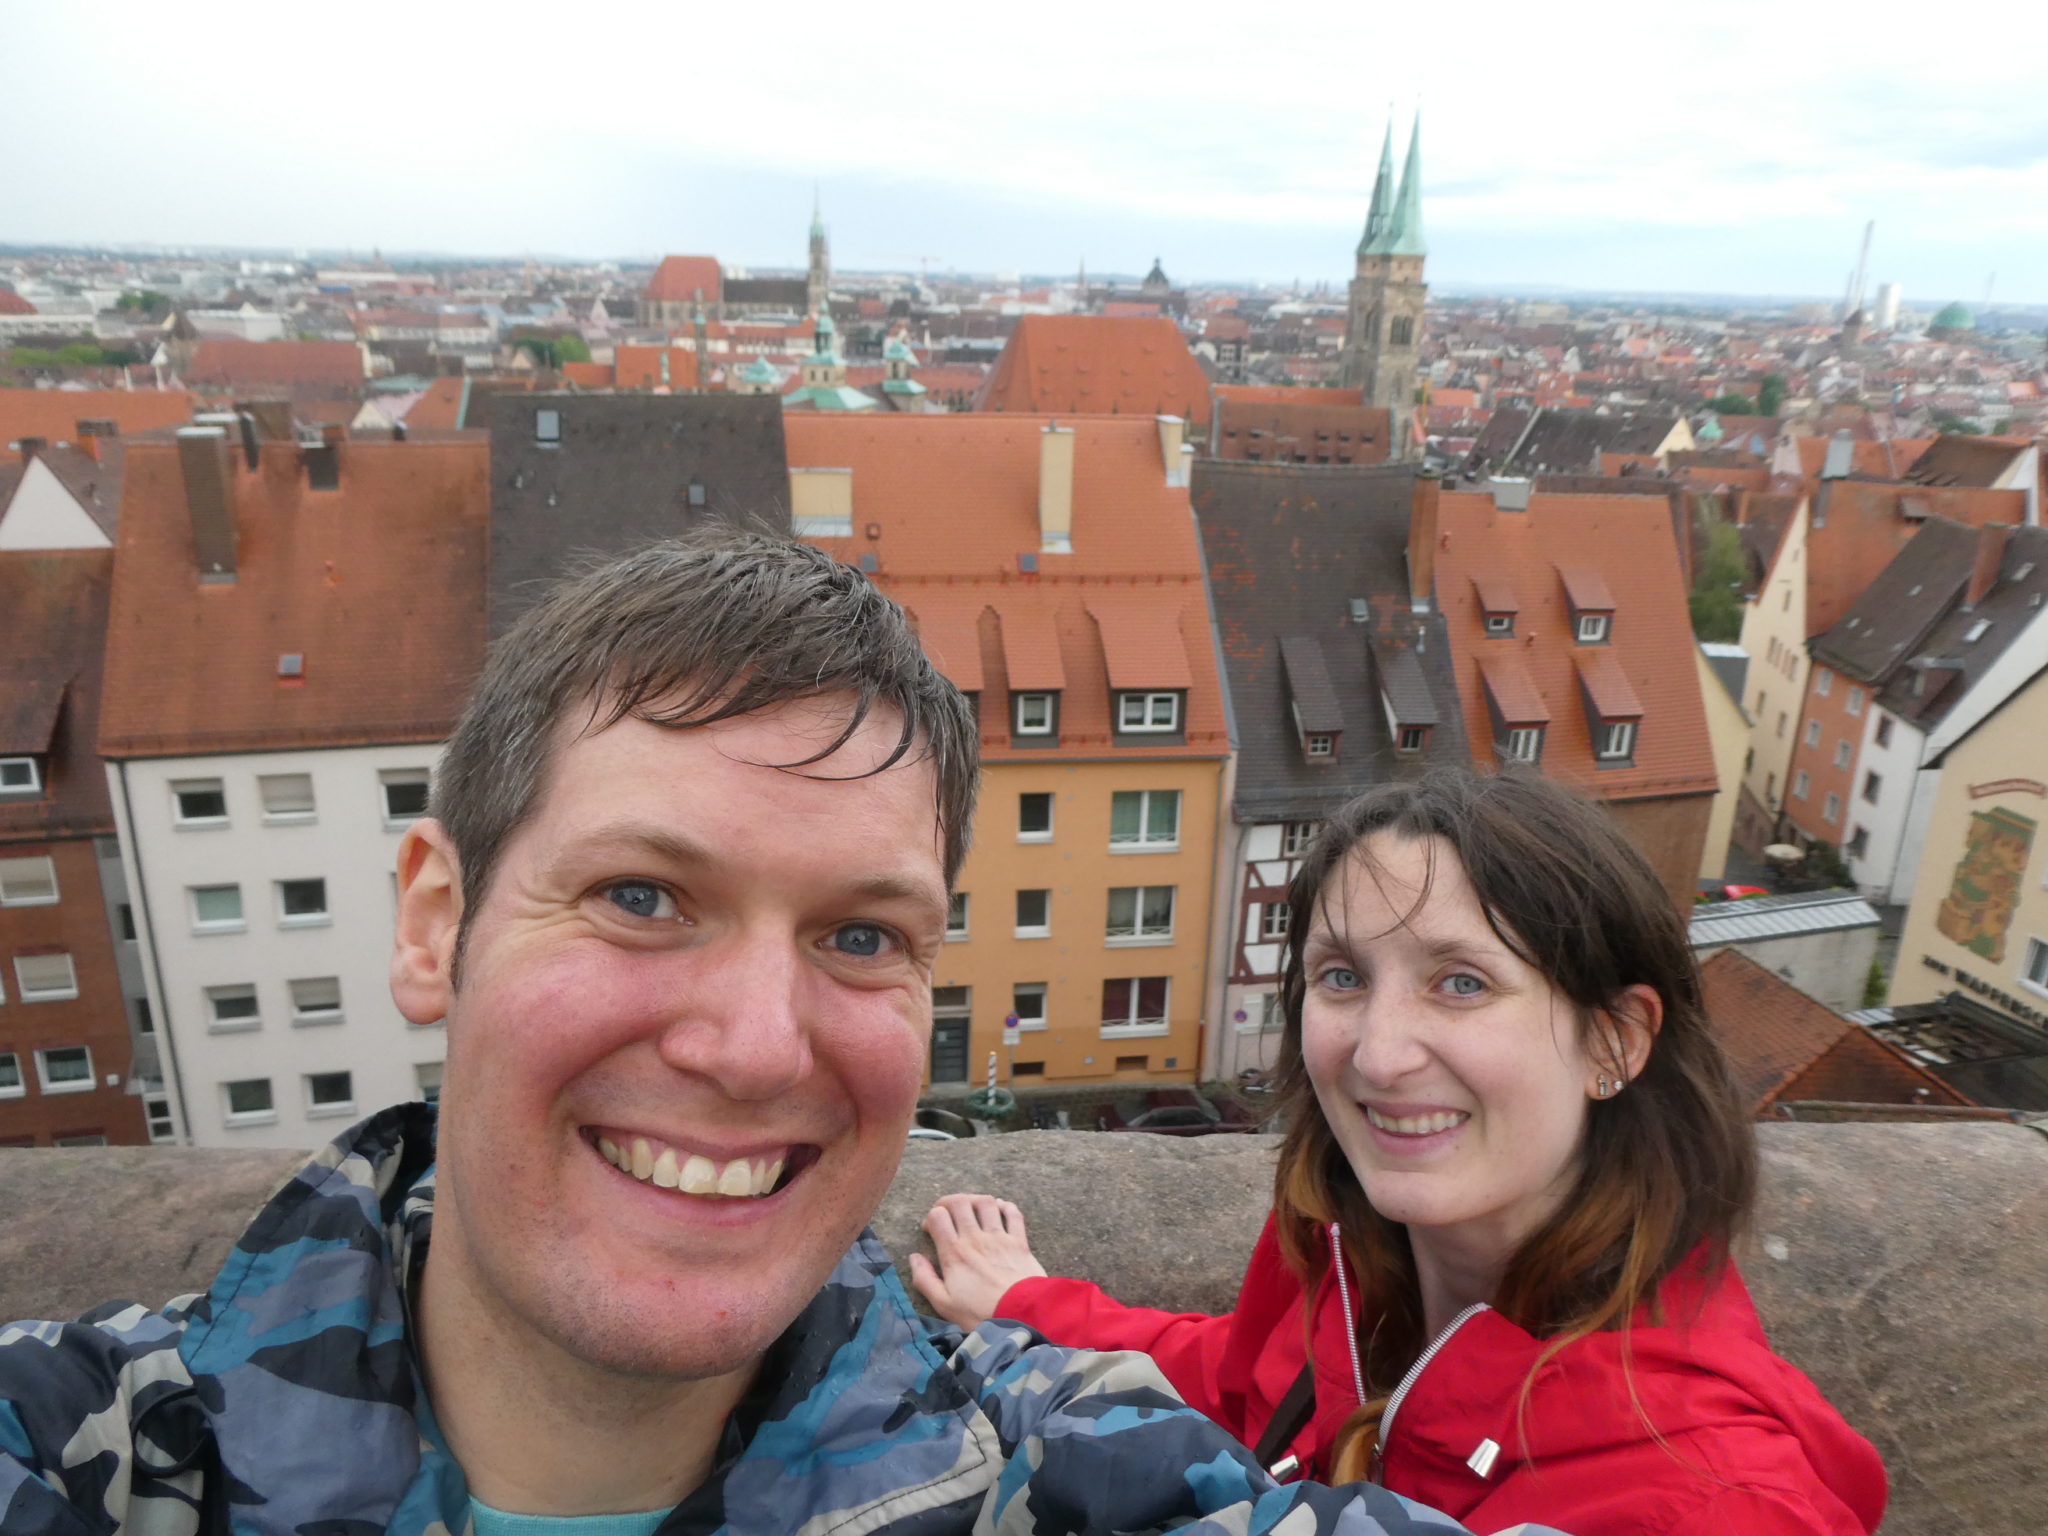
681	279
53	631
638	367
1098	365
1958	460
317	369
1968	639
1291	549
54	414
378	585
1321	432
92	483
1855	527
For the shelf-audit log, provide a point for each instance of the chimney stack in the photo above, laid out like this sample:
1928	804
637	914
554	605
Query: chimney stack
1056	489
1172	434
91	430
273	419
1991	541
1422	537
209	499
30	447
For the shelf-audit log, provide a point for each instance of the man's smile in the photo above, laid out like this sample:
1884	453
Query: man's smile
653	1161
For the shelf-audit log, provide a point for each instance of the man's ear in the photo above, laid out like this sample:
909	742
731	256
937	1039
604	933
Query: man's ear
1633	1019
429	919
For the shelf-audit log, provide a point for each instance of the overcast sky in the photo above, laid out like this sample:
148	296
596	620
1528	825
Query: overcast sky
1737	148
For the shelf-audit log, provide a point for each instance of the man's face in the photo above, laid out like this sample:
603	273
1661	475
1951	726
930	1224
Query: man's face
689	1036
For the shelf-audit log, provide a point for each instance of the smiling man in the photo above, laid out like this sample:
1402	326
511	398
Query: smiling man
678	904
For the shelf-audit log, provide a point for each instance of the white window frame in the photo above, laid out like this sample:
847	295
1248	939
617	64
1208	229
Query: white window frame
48	883
1017	704
28	788
76	1085
59	994
19	1088
1500	626
1524	744
1823	681
2033	973
234	1118
318	919
216	924
1592	628
1411	738
215	996
1617	741
1027	989
1831	808
1873	786
1149	710
1034	931
182	787
1297	837
1143	843
1854	703
290	817
1035	837
1319	744
1140	935
156	1110
1843	752
1802	785
1136	1027
1274	918
389	779
330	1109
1813	733
957	914
304	1017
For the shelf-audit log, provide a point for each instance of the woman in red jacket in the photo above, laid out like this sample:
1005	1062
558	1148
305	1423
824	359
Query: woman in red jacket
1496	1277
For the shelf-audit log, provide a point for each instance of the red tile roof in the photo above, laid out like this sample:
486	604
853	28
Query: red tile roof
54	414
680	279
1099	366
1854	527
1286	394
12	303
1323	432
955	501
378	585
589	375
53	617
640	367
319	368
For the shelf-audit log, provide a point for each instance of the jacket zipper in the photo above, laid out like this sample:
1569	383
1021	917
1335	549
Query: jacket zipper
1421	1364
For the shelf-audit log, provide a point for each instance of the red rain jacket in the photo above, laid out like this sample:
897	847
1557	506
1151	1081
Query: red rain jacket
1748	1443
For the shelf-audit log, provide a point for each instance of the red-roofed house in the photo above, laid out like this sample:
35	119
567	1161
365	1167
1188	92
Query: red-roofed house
1094	365
302	370
678	286
55	415
1053	572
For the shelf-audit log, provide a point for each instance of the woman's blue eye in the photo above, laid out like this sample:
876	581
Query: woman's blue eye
640	898
861	940
1462	984
1342	978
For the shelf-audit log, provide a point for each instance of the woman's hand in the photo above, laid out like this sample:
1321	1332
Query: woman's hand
983	1251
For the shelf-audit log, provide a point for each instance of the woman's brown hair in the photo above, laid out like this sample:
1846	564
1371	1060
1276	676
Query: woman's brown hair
1667	1166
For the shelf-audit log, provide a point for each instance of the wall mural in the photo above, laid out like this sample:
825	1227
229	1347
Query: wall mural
1981	899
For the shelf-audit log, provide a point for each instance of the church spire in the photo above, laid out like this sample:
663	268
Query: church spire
1403	233
1382	193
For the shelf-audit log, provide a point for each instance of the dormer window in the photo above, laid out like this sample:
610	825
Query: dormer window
1617	740
1613	712
1498	606
1592	628
1319	744
1500	626
1514	708
1412	738
1035	713
1521	744
21	778
1591	603
1148	712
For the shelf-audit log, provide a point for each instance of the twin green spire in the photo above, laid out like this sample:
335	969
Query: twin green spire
1393	224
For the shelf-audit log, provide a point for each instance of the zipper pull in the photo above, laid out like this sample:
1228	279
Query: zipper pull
1482	1459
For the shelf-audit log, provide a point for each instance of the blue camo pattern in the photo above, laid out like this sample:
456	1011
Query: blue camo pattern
284	1401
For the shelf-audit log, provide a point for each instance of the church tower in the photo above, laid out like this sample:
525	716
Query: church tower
1383	329
819	285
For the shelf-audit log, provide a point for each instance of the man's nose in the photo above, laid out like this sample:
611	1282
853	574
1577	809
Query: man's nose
743	1026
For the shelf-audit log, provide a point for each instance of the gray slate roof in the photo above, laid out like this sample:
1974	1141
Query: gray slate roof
1779	917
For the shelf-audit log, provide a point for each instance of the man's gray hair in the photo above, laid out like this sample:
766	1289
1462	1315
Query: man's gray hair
684	633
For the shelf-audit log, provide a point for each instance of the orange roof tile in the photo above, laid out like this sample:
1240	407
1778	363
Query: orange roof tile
319	367
54	414
1286	394
378	585
1607	685
1585	588
949	630
1141	641
1031	645
1854	527
1098	365
640	367
588	375
680	279
1512	690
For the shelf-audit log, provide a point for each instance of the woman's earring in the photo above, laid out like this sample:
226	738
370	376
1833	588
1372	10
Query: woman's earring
1603	1089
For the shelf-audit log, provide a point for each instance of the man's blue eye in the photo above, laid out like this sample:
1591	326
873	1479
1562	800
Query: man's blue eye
863	940
642	898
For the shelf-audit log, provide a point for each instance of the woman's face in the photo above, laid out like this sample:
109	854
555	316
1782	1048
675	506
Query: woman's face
1451	1072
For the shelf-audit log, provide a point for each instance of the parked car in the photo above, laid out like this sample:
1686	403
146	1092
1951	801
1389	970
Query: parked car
1176	1112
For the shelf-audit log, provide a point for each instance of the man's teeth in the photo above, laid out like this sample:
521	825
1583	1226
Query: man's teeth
1417	1125
743	1179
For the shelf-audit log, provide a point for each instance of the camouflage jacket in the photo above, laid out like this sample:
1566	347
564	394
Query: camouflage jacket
286	1401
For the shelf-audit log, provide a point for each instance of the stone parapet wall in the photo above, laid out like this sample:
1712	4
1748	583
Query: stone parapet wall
1901	1266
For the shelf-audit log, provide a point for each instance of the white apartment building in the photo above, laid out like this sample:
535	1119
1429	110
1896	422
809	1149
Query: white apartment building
264	889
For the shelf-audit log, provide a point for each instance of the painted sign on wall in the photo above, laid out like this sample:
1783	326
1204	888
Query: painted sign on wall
1986	889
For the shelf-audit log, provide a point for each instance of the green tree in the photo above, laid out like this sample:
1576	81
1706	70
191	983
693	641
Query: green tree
1770	394
1873	985
1956	425
1716	598
1732	404
147	300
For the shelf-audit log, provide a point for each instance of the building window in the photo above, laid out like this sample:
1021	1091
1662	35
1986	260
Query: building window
1873	786
1859	845
1524	744
1884	730
1319	744
82	1139
28	882
248	1101
1034	914
231	1009
1034	818
1593	628
1273	919
287	797
1801	783
11	1085
329	1094
124	921
1854	703
45	978
21	778
1412	738
216	908
1296	837
1500	626
199	803
405	791
2035	974
64	1069
1782	718
1842	751
1027	1003
547	426
1813	733
1027	1069
427	1079
1140	914
316	1000
1823	681
956	916
952	1023
1034	714
1146	819
162	1128
1831	808
1134	1005
301	903
1148	712
1617	741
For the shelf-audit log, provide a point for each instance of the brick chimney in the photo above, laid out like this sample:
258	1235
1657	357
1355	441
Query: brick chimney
210	499
1991	540
1422	538
1172	434
90	431
1056	489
